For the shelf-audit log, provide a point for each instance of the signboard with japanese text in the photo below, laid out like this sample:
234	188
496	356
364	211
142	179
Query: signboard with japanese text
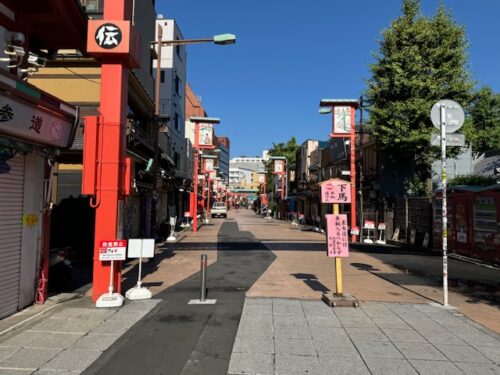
112	250
212	175
33	123
338	240
117	38
342	120
206	136
279	166
336	191
262	179
369	224
208	165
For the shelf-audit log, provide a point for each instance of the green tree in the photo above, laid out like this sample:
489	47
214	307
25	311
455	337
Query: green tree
288	149
420	61
483	128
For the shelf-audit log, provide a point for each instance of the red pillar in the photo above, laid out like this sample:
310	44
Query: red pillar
208	197
195	179
111	152
353	173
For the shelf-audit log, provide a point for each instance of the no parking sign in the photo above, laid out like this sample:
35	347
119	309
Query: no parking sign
112	250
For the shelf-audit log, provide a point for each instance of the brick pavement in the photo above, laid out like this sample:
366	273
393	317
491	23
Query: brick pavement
287	336
68	339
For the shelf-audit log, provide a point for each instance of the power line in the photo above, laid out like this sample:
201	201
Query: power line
81	76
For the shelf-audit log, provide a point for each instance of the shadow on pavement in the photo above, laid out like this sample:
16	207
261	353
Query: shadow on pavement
311	281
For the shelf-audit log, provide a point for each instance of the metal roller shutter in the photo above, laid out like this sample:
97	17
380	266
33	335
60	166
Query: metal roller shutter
11	213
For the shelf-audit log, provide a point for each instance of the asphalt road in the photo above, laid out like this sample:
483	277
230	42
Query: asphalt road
178	338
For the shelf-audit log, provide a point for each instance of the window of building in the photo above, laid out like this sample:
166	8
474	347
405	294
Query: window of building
93	6
162	76
177	84
177	160
178	51
177	122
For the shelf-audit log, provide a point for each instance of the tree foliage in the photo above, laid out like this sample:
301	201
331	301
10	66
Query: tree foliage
287	149
420	61
472	180
483	128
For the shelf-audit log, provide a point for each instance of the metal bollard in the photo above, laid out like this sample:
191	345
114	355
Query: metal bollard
203	279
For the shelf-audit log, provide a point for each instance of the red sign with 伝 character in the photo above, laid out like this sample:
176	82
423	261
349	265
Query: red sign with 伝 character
112	250
338	241
336	191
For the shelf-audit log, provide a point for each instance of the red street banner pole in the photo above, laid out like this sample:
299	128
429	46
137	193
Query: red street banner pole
114	92
106	171
194	214
353	172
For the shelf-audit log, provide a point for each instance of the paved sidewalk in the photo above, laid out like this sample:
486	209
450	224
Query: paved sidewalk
283	336
67	339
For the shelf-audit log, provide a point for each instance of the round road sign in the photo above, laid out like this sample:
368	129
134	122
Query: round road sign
454	115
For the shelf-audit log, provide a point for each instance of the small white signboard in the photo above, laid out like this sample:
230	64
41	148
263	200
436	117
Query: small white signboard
138	245
112	250
452	139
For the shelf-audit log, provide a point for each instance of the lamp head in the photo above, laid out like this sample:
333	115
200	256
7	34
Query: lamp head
224	39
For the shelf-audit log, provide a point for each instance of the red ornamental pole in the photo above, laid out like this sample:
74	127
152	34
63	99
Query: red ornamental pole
283	184
208	196
110	151
353	172
195	178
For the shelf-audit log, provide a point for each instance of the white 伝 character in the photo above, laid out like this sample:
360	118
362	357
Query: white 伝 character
108	35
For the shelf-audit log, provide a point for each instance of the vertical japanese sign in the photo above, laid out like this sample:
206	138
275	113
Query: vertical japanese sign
336	192
262	179
342	117
205	136
279	166
338	241
208	165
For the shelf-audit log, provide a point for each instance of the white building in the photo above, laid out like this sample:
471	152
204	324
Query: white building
240	178
172	96
254	164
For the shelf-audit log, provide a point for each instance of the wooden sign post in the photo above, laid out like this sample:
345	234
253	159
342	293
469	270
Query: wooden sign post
336	191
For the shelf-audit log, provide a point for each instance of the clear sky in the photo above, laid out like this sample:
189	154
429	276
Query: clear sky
291	53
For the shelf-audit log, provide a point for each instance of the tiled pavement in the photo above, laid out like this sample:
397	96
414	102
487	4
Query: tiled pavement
70	340
282	336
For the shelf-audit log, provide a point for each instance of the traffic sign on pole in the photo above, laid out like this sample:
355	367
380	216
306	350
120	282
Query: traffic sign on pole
447	116
454	115
451	139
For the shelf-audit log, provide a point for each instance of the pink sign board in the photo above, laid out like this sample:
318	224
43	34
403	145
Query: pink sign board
338	241
336	192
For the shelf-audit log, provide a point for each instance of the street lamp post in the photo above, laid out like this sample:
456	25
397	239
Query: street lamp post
206	143
281	169
221	39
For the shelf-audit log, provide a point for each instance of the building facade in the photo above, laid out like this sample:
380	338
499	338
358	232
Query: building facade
35	127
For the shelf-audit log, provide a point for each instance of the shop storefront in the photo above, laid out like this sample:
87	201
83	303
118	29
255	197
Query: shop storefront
473	222
33	127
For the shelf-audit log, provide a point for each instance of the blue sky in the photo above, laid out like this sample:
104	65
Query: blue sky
291	53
